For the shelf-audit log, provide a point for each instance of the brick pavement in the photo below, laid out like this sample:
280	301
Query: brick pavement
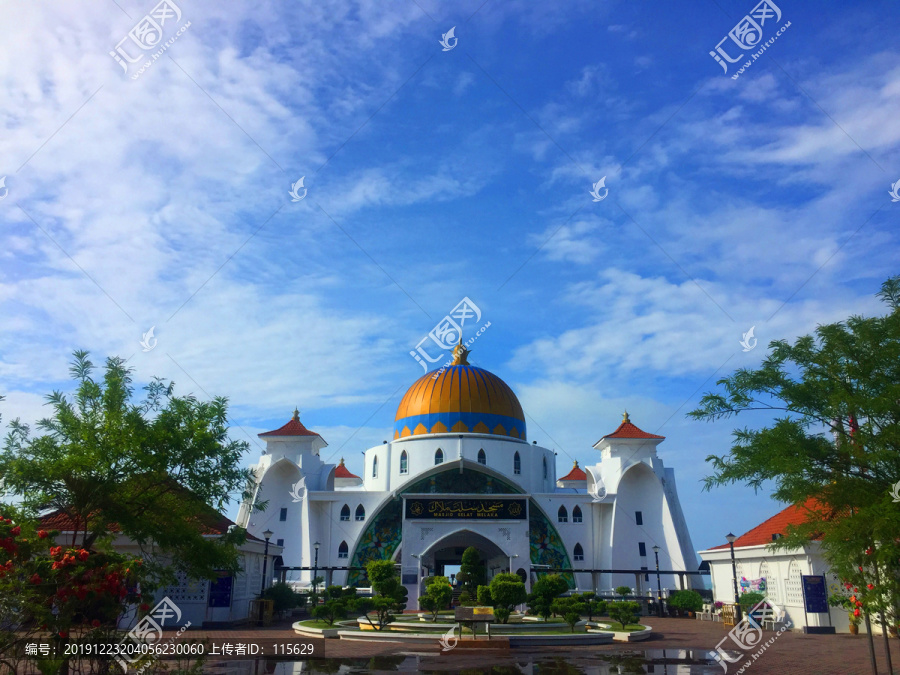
792	653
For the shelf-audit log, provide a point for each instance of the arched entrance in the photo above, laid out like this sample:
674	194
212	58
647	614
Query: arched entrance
443	557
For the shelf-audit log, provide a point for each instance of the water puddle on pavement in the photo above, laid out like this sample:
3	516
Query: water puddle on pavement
656	661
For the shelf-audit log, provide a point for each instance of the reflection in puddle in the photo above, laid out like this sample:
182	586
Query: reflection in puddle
656	661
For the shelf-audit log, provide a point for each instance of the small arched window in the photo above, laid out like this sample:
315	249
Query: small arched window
375	467
343	550
404	462
517	463
438	456
345	513
578	553
576	514
563	515
545	468
360	512
482	458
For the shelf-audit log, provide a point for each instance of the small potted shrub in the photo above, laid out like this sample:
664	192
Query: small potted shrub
686	601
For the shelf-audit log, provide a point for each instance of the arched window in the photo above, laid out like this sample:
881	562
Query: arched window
576	514
771	591
578	553
439	456
545	468
375	467
360	512
345	513
517	463
563	515
482	458
404	462
343	550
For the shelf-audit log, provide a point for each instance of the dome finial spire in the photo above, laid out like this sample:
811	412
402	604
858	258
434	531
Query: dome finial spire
625	418
460	355
296	415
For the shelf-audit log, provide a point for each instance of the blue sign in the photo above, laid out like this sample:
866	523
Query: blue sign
815	594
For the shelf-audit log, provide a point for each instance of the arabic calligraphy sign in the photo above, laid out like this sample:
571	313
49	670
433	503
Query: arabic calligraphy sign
466	509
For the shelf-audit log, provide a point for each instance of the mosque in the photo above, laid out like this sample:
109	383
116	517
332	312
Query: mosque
459	472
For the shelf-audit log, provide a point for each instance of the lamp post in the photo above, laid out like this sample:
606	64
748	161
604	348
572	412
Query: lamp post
737	600
658	586
268	535
316	570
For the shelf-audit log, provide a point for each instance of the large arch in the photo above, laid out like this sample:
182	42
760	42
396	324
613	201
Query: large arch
444	551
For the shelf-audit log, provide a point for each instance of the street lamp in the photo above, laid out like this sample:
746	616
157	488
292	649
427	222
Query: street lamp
316	568
737	600
268	535
658	587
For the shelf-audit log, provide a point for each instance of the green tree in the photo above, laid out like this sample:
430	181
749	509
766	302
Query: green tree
506	591
438	593
159	470
281	595
390	595
592	605
570	609
689	601
544	591
337	601
831	446
471	571
484	596
624	591
625	612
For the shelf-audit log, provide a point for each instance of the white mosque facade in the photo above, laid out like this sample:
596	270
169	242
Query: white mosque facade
459	472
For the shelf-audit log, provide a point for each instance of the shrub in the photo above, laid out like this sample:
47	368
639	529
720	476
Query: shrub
687	601
624	591
592	605
749	600
390	595
507	591
281	595
569	608
544	592
438	593
464	597
337	600
484	596
624	612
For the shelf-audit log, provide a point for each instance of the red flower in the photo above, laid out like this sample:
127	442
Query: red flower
860	569
83	555
15	531
63	634
144	607
95	623
870	587
848	585
42	534
869	551
856	612
856	590
35	578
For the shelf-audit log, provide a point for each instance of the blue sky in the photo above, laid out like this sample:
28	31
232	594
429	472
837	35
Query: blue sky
436	175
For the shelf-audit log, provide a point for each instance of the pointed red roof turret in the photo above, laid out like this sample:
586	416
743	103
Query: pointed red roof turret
628	430
293	428
341	471
575	474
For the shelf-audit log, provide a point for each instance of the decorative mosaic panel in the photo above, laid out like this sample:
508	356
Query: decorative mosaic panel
469	481
378	541
546	545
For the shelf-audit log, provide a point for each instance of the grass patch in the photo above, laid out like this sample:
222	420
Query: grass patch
316	623
617	627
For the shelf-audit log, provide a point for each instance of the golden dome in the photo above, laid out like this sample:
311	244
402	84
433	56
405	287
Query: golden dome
460	399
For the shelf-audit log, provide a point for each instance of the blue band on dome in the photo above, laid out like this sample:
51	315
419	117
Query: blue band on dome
470	419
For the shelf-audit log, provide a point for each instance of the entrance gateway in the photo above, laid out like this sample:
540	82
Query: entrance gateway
458	470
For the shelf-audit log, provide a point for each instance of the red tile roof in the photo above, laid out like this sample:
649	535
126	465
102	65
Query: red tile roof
341	471
575	474
762	534
63	522
293	428
628	430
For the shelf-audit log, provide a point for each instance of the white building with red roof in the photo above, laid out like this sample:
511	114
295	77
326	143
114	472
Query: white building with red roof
460	471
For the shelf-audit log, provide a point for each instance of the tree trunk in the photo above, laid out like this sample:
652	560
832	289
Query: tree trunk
871	645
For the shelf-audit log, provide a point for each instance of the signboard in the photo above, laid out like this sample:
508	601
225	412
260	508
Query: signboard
815	594
475	614
753	585
220	590
466	509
